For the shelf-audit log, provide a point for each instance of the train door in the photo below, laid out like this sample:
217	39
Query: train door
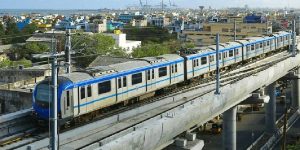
82	99
89	98
174	71
211	62
66	104
122	88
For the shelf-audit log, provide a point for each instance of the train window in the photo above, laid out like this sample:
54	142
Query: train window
268	43
125	81
119	83
211	58
137	78
248	48
89	91
261	45
194	62
265	43
82	92
162	71
256	46
252	48
68	98
172	68
236	51
220	56
230	53
203	60
176	68
271	42
197	62
104	87
148	75
224	55
152	73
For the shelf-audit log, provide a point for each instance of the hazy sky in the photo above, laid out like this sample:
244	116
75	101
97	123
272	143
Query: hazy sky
96	4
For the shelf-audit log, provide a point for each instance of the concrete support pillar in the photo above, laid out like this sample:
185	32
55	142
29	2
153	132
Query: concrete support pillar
229	129
270	114
295	102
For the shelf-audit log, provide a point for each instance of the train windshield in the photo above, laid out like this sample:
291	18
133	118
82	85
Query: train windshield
44	93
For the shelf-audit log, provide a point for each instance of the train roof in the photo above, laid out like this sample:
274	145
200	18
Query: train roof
162	58
214	47
230	44
107	60
130	65
280	33
77	76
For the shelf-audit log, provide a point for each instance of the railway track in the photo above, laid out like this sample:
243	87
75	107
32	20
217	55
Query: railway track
226	78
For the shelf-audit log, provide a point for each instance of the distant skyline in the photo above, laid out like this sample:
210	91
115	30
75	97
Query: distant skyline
98	4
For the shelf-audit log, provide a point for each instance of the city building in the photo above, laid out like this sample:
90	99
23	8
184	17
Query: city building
98	26
126	45
139	23
159	21
21	25
226	31
127	18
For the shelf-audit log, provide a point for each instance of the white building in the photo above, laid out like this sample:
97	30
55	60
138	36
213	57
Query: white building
127	45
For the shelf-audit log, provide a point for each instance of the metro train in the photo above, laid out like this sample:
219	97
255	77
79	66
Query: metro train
85	92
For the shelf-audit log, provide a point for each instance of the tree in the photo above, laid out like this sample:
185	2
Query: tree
12	32
29	29
8	63
2	32
93	44
149	50
149	34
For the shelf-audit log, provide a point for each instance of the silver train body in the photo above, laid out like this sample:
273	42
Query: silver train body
80	93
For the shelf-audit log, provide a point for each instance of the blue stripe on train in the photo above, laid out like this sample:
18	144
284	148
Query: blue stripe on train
113	95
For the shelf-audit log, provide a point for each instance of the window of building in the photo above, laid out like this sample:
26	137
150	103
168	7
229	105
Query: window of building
104	87
162	71
203	60
82	92
89	91
137	78
230	53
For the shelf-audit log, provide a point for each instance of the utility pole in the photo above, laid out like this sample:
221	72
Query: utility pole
68	50
234	27
53	120
294	38
217	65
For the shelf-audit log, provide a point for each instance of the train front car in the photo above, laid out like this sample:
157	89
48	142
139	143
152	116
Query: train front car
43	96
